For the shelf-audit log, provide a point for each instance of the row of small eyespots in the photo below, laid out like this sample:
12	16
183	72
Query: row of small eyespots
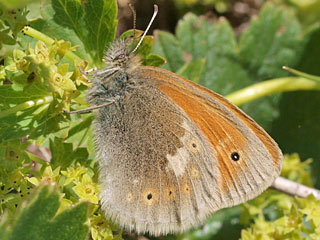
150	196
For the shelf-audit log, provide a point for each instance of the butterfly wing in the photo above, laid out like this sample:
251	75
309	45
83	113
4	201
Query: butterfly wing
176	152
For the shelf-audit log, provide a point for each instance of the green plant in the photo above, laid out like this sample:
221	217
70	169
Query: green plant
39	76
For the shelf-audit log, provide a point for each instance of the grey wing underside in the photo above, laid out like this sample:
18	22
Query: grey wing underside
156	170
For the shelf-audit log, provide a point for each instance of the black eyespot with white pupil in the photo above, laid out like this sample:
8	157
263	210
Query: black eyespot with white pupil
235	156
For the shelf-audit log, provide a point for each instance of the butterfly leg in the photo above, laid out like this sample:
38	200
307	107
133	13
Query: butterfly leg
90	109
88	72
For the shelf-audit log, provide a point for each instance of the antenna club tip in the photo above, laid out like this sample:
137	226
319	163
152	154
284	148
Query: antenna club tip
148	27
285	68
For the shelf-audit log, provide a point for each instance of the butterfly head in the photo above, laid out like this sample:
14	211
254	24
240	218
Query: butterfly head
119	54
115	78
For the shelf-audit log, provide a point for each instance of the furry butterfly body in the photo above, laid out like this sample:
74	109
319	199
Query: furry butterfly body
170	151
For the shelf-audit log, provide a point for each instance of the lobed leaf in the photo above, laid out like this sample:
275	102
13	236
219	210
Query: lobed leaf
38	220
90	24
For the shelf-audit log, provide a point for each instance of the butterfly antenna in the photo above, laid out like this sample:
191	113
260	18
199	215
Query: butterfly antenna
155	12
134	14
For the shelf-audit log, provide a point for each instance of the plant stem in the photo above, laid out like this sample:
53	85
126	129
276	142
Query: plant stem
302	74
49	41
26	105
272	86
293	188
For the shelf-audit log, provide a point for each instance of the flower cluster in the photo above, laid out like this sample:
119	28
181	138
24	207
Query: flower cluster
279	216
76	185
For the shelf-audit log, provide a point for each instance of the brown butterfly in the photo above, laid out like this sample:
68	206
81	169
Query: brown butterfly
170	151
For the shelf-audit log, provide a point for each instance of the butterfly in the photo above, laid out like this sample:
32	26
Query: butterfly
170	151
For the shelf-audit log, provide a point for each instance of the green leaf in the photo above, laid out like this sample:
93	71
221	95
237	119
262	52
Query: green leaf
37	219
167	46
153	60
193	70
101	24
63	154
79	129
217	45
20	120
90	24
36	120
270	42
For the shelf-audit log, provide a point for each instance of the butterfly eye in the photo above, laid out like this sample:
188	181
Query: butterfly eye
120	56
235	156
